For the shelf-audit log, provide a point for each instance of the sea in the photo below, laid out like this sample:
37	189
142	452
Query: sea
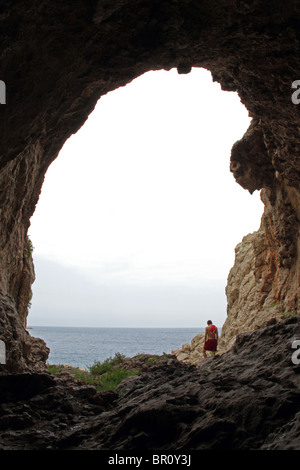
82	347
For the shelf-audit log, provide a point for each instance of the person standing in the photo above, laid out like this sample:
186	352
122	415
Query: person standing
210	339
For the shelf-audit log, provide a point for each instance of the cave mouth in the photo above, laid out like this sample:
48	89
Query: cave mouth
160	146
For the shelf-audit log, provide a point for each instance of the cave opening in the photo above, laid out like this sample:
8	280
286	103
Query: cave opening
57	59
139	215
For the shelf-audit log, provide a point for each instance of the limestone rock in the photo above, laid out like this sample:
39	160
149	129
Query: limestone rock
259	286
193	353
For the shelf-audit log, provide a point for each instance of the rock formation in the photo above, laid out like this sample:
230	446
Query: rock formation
57	60
258	292
193	353
264	282
245	399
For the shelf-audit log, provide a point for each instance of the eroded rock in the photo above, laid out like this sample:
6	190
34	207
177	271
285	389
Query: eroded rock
58	59
245	399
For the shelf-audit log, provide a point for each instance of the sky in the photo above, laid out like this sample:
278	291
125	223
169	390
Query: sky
139	215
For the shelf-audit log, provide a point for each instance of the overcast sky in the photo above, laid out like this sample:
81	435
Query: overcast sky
139	215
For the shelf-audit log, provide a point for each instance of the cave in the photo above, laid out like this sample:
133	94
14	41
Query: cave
59	59
132	205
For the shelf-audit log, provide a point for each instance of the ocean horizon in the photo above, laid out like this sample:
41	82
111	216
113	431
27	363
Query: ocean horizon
82	346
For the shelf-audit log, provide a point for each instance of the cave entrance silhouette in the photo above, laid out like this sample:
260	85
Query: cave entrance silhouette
150	211
57	71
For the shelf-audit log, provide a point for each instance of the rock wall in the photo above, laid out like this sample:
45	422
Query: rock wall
58	59
264	282
263	286
259	288
192	353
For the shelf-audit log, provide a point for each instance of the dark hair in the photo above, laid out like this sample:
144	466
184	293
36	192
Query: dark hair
209	322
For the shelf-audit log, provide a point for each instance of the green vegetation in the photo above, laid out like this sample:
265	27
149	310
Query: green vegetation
29	248
112	378
151	360
99	368
54	369
79	374
104	375
109	374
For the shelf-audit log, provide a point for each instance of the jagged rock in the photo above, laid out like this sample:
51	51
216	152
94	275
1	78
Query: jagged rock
58	60
258	290
140	361
27	385
234	401
245	399
193	353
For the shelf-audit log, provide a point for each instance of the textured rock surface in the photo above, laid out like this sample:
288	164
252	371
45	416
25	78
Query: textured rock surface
260	288
193	353
248	398
58	59
264	282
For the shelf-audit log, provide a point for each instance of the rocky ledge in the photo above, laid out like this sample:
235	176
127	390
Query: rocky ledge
245	399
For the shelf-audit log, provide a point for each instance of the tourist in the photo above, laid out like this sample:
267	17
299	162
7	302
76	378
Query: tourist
210	339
